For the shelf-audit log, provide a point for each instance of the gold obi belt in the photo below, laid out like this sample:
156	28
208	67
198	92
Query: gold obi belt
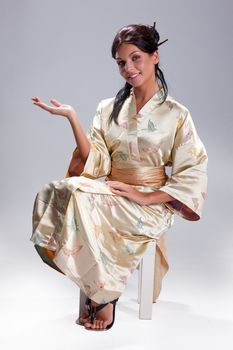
144	176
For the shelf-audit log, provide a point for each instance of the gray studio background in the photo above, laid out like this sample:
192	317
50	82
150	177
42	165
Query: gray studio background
61	49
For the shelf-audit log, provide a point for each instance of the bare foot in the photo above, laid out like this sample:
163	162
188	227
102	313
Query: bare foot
104	317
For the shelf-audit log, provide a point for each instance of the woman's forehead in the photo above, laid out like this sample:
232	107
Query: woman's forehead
126	49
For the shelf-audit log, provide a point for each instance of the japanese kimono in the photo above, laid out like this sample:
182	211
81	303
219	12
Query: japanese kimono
97	238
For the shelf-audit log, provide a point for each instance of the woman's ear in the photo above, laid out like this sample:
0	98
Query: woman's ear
156	57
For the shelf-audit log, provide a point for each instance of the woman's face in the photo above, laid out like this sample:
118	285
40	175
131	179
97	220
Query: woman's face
136	66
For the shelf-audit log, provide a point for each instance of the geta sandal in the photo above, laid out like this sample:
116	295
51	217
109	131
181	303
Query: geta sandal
87	307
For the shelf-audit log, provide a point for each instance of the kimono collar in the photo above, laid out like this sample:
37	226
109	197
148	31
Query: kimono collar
153	102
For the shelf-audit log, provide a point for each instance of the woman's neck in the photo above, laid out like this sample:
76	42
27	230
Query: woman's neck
142	94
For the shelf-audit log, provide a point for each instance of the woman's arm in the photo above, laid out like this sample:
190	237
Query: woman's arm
98	163
142	198
80	137
159	197
68	112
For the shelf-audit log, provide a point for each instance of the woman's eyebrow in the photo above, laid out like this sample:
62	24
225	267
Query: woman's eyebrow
118	58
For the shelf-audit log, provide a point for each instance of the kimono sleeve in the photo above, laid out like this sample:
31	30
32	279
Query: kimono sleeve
188	181
98	162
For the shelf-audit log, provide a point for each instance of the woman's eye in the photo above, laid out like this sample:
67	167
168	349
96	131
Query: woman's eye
120	63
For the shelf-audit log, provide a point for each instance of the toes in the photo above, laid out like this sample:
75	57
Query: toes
87	325
94	325
102	324
90	325
105	323
97	324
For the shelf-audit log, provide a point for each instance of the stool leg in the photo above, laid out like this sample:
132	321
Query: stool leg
146	283
139	280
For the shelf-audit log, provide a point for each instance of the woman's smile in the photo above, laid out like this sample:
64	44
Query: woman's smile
133	76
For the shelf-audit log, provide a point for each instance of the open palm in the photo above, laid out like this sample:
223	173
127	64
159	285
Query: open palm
58	109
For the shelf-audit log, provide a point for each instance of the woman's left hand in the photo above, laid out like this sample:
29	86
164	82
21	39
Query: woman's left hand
125	190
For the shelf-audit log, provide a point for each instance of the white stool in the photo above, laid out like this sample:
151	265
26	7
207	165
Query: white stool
145	284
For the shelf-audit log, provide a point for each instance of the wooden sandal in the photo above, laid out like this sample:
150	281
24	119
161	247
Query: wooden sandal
87	307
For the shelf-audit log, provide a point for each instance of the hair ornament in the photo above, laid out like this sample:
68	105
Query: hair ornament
162	42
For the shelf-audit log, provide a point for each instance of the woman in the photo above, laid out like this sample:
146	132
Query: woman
96	232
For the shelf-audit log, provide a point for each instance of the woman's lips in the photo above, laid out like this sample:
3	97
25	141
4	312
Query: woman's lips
133	76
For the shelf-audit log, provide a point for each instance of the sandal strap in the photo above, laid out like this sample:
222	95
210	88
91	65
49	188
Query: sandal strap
101	306
88	304
94	309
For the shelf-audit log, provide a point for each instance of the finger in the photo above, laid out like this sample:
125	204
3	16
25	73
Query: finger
127	195
122	187
113	182
119	185
44	106
117	188
116	183
55	103
35	98
121	193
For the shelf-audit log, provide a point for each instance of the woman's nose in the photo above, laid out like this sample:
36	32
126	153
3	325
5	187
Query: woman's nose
129	67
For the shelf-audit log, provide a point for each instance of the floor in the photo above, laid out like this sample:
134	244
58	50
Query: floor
39	307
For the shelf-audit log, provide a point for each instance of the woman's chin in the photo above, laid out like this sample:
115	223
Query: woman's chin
135	83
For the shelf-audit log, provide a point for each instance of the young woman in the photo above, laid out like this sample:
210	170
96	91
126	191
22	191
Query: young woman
96	232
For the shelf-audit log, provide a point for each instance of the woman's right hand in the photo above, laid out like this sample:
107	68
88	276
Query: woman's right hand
67	111
58	109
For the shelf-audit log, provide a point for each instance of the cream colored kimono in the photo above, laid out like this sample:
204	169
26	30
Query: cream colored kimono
97	238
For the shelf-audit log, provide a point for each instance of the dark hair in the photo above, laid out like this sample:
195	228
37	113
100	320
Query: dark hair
146	38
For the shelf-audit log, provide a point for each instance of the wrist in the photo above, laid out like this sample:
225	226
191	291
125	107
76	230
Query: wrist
152	198
158	197
71	116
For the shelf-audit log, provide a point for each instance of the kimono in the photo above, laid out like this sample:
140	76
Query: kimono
97	238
